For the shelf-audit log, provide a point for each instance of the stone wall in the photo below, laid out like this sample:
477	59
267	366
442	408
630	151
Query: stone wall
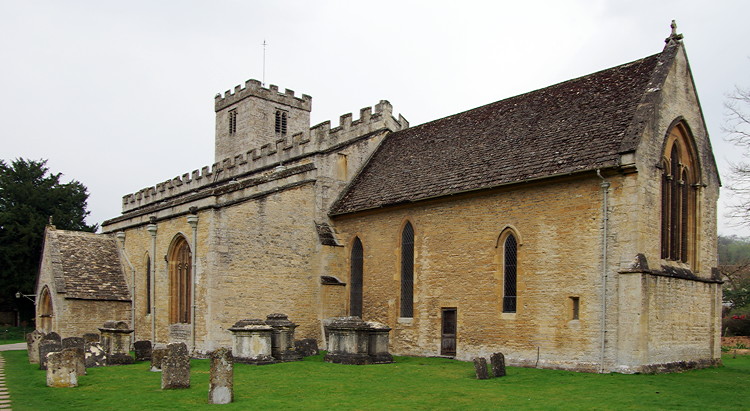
458	264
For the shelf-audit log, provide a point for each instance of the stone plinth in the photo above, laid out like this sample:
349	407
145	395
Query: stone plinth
142	350
221	383
116	342
251	342
282	339
175	367
348	341
61	368
32	345
378	343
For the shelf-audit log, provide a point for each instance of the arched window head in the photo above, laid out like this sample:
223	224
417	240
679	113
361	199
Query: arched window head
407	271
679	182
180	269
355	281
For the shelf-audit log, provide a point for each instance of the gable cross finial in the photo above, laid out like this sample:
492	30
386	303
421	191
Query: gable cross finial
673	36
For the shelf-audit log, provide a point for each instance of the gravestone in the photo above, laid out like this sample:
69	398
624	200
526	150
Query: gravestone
32	345
116	342
91	337
94	355
221	385
78	345
142	350
46	347
378	343
251	342
498	364
61	368
282	339
480	367
348	341
158	352
307	347
175	367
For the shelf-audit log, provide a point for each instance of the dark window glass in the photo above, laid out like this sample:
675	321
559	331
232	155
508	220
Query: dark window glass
407	271
509	274
355	283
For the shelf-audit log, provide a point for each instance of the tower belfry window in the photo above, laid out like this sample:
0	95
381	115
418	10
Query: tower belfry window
281	119
232	121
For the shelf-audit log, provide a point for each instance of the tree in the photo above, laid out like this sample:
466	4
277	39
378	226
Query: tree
737	127
29	197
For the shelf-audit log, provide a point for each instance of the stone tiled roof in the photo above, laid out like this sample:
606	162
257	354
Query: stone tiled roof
87	266
581	124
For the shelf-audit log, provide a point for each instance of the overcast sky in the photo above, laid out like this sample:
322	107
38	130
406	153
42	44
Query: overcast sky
119	95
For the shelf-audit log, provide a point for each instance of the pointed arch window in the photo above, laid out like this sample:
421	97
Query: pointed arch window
179	281
678	190
407	271
510	273
45	311
355	282
281	120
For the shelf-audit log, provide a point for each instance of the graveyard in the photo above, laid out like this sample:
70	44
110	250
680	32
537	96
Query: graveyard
407	383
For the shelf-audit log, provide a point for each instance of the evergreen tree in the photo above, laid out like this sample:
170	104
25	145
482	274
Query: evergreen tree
29	196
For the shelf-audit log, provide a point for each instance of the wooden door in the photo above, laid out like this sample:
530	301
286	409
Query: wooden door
448	337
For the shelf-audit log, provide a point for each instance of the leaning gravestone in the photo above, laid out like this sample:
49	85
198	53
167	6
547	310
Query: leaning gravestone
61	368
480	367
32	345
77	344
95	356
498	364
46	347
142	350
175	367
157	356
221	386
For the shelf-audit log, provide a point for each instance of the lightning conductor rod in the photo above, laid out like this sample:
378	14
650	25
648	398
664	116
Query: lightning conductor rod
264	62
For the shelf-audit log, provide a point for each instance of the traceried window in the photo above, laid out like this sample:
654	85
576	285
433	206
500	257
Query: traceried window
232	122
678	201
281	119
510	262
355	282
180	267
407	271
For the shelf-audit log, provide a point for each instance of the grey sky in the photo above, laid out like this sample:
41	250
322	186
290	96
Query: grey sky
119	95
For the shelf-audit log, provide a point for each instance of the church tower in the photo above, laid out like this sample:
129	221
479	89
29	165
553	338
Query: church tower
252	116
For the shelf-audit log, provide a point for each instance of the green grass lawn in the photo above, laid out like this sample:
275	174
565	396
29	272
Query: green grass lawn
12	335
409	383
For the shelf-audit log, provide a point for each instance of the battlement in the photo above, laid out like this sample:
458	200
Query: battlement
284	150
254	88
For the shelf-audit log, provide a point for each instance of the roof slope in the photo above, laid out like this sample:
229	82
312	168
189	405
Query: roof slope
87	266
581	124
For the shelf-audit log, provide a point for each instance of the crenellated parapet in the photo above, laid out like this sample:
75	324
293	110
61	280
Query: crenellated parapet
284	150
253	88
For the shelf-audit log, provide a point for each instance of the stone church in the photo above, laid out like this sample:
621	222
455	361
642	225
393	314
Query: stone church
570	227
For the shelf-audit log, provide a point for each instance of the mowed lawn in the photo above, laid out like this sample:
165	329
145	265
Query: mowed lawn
409	383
